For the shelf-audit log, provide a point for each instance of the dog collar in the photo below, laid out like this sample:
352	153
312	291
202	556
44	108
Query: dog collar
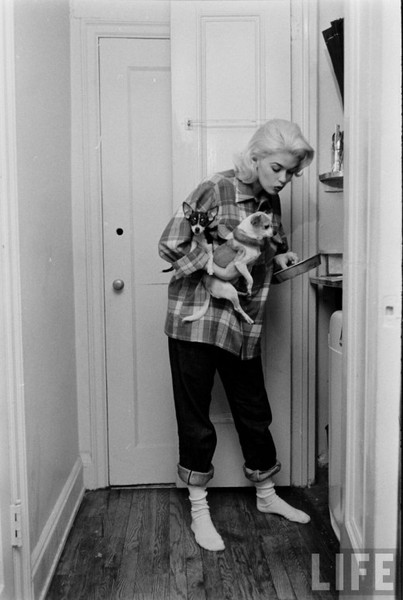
240	236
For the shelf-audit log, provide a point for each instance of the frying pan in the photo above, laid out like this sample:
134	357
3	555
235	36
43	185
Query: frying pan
296	269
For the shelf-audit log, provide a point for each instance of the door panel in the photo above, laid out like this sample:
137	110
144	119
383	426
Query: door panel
231	70
137	203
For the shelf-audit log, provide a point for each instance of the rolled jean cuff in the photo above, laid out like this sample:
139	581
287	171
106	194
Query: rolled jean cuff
195	477
257	475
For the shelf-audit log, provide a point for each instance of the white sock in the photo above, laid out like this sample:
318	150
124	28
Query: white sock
202	526
267	501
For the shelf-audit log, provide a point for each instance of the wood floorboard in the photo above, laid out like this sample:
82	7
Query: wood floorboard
136	544
177	557
99	564
125	581
78	555
223	511
110	549
248	559
153	557
298	570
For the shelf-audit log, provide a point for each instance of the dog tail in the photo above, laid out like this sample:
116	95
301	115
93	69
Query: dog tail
199	313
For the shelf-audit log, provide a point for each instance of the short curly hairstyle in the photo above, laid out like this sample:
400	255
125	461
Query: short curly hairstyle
276	135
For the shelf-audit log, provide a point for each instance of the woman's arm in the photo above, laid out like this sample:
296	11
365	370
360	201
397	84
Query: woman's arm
283	257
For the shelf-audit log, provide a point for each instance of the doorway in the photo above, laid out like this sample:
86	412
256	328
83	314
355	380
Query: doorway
268	39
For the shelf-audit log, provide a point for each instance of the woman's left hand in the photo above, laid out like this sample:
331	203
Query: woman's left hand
286	259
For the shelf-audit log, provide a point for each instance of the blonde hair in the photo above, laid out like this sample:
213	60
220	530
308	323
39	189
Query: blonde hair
276	135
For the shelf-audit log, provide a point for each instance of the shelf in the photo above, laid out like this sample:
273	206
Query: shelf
328	280
333	179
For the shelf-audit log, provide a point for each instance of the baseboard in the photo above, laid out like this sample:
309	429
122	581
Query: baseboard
88	471
47	551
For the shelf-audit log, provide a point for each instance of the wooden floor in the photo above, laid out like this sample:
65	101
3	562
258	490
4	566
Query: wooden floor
136	543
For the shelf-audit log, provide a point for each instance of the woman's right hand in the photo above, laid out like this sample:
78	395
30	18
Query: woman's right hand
285	260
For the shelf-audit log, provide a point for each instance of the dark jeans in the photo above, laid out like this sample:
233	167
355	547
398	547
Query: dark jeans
193	367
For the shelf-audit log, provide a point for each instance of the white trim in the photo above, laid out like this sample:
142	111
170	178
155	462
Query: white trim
91	378
304	95
11	342
122	13
372	277
47	551
87	235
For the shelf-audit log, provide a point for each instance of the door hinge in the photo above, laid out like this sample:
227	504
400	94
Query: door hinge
15	520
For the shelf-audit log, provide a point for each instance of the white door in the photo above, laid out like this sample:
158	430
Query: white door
135	94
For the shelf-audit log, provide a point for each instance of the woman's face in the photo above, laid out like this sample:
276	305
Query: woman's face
276	170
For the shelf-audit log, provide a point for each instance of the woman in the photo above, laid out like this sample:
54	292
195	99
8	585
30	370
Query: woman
221	340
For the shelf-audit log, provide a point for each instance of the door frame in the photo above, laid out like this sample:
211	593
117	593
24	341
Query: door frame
372	283
86	32
16	575
87	28
304	219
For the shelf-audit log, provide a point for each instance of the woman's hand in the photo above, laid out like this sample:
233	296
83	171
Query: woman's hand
285	260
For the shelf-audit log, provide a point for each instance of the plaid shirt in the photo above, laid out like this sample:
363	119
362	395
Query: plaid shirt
221	325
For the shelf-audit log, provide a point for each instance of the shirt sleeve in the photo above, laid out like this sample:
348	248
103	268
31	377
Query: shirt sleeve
279	240
176	240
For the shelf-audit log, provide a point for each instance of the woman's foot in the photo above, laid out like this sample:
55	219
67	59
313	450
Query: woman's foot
267	501
202	526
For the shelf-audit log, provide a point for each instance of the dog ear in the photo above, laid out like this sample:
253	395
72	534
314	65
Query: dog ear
212	213
256	219
187	210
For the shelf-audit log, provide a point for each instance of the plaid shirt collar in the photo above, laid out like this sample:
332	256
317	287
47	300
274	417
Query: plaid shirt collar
251	191
247	191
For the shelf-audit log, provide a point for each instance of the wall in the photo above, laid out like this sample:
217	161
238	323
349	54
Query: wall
330	208
42	65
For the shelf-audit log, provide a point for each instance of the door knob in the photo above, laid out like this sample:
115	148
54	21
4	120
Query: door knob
118	284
